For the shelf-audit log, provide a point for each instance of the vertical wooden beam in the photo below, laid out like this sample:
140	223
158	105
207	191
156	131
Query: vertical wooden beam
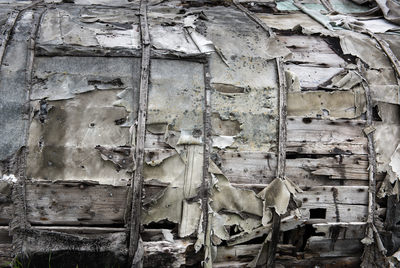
371	148
137	182
254	18
372	236
282	103
282	110
9	26
206	154
20	223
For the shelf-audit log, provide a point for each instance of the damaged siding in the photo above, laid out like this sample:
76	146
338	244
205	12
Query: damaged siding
159	134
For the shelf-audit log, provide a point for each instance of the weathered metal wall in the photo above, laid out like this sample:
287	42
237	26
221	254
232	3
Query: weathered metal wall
227	160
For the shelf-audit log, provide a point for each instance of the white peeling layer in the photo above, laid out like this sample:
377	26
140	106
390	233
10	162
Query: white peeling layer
395	162
222	142
188	138
8	178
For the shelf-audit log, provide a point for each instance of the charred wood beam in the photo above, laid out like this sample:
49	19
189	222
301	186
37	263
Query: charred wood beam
137	182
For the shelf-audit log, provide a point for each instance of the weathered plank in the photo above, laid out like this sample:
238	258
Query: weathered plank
6	212
75	204
347	104
165	254
308	49
322	136
5	246
313	261
5	255
323	212
5	237
326	247
248	167
342	167
310	77
237	253
352	195
254	168
341	230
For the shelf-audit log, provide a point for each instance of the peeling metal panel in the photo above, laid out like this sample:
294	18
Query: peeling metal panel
74	111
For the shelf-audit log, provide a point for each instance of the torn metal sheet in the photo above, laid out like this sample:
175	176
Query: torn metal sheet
388	112
73	26
222	142
293	22
345	81
64	134
176	95
390	9
345	6
168	31
372	25
257	120
395	161
365	48
315	14
180	201
237	206
385	134
60	78
338	104
311	77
